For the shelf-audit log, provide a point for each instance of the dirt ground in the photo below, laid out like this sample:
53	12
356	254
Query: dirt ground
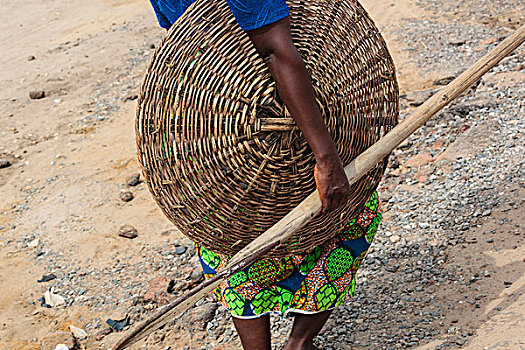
71	152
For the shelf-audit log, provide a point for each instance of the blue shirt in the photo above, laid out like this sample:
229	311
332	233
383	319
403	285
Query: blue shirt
250	14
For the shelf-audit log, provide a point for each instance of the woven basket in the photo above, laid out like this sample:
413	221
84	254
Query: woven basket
220	152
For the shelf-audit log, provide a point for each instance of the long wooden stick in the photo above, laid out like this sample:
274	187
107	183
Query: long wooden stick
311	206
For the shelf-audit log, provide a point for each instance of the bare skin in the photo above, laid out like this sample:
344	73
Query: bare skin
274	43
304	330
255	333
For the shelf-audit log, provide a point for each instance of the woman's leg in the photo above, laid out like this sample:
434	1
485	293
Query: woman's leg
254	333
304	330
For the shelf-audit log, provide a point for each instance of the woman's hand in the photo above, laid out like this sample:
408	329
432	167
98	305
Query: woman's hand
332	183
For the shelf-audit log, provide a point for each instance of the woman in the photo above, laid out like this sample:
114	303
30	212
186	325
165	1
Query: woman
307	286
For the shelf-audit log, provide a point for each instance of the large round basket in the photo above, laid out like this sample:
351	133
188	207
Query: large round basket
221	154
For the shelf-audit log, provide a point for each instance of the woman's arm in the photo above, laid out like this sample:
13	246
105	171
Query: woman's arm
274	43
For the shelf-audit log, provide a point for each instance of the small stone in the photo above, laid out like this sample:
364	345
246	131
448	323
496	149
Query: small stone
179	250
444	81
488	41
133	179
126	196
31	58
4	163
34	243
158	291
507	283
79	333
102	333
392	268
47	278
457	42
178	286
417	98
36	95
405	144
490	240
151	46
119	324
128	231
424	225
53	299
203	314
196	277
393	162
395	238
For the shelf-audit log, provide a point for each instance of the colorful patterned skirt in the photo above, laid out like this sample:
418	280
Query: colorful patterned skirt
318	280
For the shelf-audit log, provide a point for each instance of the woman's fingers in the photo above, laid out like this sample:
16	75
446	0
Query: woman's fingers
325	200
334	200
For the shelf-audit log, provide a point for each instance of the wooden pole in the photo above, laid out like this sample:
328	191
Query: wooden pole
311	206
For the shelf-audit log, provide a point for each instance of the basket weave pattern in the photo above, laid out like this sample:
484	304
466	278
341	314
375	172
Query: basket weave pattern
221	154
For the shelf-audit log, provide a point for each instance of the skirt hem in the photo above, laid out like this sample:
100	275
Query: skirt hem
286	313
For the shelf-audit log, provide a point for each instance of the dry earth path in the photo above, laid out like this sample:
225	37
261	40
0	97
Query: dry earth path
71	152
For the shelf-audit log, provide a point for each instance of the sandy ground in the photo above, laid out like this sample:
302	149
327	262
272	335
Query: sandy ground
68	160
72	150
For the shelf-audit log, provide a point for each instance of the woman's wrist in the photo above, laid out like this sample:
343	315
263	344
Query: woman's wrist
327	157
